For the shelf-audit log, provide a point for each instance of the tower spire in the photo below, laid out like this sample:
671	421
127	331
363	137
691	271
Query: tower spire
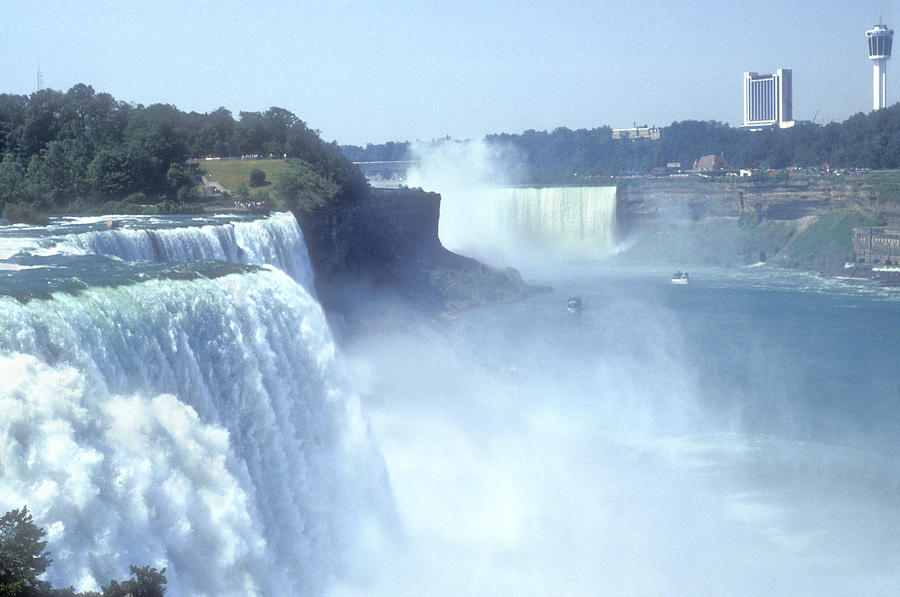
880	39
40	76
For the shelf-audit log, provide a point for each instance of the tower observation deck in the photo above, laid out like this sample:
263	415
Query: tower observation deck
880	39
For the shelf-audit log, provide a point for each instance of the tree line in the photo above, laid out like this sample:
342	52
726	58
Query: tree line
563	155
76	150
24	558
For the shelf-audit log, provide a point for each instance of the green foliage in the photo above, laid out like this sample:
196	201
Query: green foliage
257	178
478	284
83	148
875	220
144	582
302	189
17	213
385	152
136	198
23	558
827	244
710	243
565	156
22	554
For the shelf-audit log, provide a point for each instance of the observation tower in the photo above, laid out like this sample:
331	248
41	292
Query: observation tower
880	39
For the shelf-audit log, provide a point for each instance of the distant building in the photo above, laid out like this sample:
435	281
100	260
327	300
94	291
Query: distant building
637	132
709	163
877	245
767	99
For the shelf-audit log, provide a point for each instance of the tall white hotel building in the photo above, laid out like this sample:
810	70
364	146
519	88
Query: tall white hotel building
767	99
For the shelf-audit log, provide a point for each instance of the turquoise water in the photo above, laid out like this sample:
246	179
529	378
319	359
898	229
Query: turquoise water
172	396
763	350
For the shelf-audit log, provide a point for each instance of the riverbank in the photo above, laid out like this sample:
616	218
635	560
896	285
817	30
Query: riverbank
797	224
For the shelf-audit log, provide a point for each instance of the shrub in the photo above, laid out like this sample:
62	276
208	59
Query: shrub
21	213
138	198
257	178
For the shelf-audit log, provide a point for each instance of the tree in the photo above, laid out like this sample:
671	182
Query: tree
257	177
22	554
302	189
144	582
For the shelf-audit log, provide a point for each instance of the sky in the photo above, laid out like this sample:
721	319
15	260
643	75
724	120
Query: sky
370	72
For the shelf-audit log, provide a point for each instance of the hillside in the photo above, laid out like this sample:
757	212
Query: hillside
803	223
230	174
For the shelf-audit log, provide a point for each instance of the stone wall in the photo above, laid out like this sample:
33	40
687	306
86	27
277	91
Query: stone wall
874	245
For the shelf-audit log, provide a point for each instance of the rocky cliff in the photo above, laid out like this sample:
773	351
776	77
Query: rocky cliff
648	201
384	248
803	223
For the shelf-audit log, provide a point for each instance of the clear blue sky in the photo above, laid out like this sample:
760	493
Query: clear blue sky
379	71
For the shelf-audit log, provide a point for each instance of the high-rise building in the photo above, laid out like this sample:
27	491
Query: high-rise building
880	39
767	99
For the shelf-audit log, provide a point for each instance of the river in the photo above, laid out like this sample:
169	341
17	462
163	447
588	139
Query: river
172	396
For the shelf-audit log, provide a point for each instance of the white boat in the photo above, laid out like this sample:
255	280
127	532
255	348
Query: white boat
574	303
680	278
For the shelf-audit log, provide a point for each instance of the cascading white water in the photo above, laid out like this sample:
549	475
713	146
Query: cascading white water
276	241
198	423
499	223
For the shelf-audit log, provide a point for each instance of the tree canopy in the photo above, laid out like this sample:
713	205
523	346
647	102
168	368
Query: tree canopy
82	148
22	554
563	155
23	558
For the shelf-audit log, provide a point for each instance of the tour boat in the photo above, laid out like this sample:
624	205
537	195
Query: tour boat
680	278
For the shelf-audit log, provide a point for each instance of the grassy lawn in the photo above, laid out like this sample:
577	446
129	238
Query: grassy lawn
885	184
231	173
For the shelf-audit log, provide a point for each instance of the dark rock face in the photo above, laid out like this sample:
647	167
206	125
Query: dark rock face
385	248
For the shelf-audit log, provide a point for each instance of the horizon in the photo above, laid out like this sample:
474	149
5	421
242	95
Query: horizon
362	73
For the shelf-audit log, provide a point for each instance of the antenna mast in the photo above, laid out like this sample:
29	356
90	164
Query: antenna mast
40	76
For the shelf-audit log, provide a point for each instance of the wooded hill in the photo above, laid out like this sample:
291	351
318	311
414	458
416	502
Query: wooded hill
75	151
566	156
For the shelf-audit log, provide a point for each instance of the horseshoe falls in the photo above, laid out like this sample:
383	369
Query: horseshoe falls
171	397
737	435
501	225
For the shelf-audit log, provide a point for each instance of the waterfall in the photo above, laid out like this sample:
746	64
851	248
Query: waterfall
276	241
559	222
187	416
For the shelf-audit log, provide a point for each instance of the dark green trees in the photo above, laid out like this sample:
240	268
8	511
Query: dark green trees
23	558
257	178
144	582
79	150
22	555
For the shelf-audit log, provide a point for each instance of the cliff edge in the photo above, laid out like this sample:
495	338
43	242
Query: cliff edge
804	224
382	251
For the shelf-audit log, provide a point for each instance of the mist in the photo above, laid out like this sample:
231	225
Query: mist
522	466
643	446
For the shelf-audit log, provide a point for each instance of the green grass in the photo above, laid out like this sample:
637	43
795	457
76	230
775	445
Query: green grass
720	243
828	243
884	185
231	173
